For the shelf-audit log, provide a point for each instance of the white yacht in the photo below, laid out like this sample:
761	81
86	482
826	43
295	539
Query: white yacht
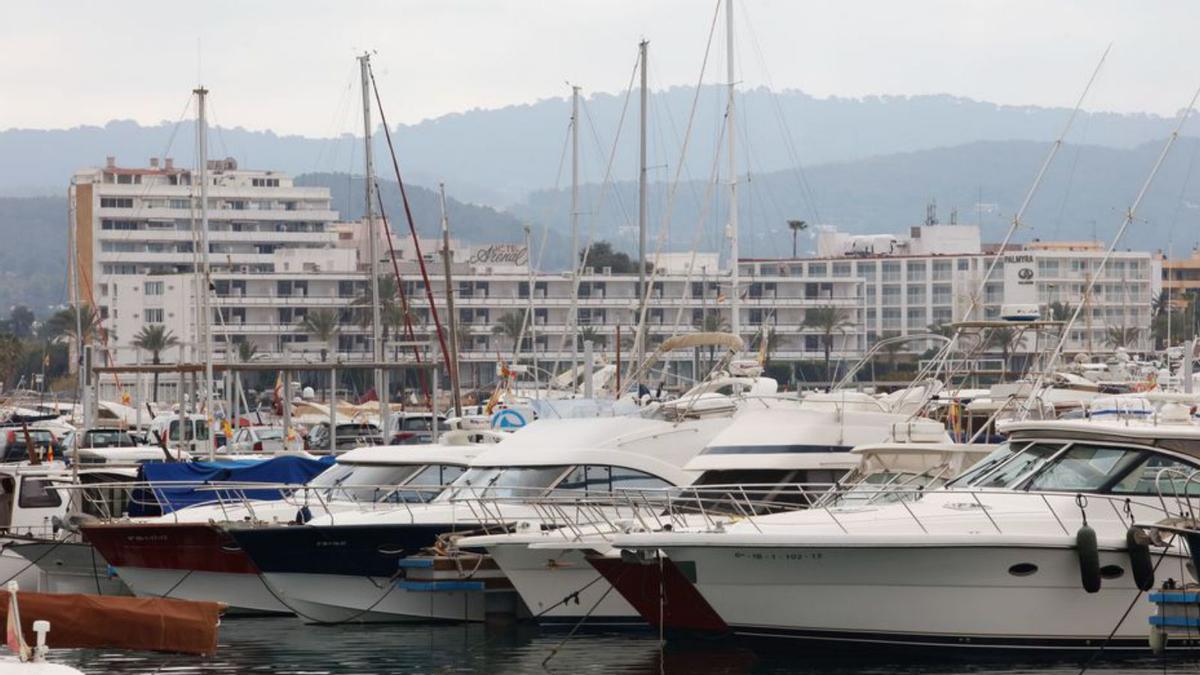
186	555
774	456
1000	558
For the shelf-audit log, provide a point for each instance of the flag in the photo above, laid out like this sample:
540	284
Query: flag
13	635
125	398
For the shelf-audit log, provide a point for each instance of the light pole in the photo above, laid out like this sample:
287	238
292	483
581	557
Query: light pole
797	226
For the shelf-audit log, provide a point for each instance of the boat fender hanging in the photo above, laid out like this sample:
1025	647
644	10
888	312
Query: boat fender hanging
1140	561
1089	558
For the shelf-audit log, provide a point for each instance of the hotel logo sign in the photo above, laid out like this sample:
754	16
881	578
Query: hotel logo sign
500	254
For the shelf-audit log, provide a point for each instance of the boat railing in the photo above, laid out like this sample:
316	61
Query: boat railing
572	515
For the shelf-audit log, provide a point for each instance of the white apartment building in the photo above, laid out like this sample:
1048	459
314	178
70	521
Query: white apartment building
932	276
278	252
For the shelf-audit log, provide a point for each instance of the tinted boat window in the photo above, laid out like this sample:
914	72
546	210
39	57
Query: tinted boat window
984	466
37	493
1029	459
1159	473
1084	467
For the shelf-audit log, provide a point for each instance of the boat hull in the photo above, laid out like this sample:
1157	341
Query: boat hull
71	567
335	574
561	586
661	592
922	596
191	561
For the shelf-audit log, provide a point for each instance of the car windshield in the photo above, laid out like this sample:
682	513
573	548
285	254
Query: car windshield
522	481
107	438
419	424
362	482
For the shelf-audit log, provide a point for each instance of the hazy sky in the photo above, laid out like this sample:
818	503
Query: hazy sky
289	65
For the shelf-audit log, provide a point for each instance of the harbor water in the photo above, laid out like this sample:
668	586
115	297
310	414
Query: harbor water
286	646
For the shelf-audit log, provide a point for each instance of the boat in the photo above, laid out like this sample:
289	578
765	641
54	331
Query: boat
348	566
186	554
783	455
1027	550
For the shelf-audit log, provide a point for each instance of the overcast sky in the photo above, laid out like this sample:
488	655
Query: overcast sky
288	65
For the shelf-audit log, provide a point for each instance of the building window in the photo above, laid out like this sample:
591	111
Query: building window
841	270
154	287
816	269
154	315
891	271
916	271
116	202
891	294
916	295
866	271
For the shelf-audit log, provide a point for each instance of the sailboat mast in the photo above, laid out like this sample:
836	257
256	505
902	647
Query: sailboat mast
364	62
455	393
640	340
735	321
576	264
204	329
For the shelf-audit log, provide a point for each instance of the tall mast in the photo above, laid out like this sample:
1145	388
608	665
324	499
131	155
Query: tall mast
576	264
640	339
735	322
364	62
731	132
455	394
205	327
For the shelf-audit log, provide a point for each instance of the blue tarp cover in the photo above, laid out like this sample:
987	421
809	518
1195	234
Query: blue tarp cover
165	499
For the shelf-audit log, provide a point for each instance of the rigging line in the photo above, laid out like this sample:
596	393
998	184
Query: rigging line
596	139
537	264
797	167
577	267
709	200
405	312
665	227
337	124
412	226
1187	179
1062	207
935	367
1129	217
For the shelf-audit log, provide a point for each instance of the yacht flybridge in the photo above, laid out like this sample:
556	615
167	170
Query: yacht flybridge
1030	549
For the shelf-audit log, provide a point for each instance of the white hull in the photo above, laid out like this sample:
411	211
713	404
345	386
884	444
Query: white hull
545	577
16	568
242	592
334	598
957	596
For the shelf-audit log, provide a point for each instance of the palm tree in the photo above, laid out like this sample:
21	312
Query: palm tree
1006	340
391	311
827	320
10	355
246	351
155	338
892	350
323	325
63	322
591	333
1120	336
1061	311
511	325
797	226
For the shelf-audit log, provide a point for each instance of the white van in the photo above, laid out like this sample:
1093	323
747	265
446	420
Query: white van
195	437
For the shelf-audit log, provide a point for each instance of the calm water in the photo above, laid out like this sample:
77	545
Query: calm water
285	645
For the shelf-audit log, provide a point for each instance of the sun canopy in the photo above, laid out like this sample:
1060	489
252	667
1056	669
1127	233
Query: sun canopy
691	340
178	485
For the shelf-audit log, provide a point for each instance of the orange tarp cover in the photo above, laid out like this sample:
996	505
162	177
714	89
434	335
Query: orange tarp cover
80	621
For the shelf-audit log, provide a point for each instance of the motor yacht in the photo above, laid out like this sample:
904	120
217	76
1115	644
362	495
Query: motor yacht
185	554
1028	549
784	455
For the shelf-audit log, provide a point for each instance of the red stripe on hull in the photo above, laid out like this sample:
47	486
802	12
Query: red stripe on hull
641	584
173	546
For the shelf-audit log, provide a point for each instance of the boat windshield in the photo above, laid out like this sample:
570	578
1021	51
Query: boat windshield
1085	467
362	482
513	481
1009	474
984	466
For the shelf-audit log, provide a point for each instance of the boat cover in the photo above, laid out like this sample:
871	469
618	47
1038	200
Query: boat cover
177	485
80	621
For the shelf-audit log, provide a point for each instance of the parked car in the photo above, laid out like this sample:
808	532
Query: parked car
414	428
99	438
14	443
349	436
257	439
